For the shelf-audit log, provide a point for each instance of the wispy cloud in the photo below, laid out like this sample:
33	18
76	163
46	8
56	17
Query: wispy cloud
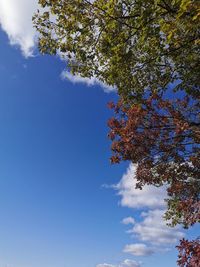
128	220
153	229
66	75
16	21
125	263
139	249
105	265
130	263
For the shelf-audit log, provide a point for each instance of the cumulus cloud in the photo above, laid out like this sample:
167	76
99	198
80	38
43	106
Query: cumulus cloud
153	229
125	263
66	75
16	21
150	230
139	249
149	197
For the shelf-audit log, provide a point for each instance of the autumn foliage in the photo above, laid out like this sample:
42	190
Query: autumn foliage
189	253
140	47
162	137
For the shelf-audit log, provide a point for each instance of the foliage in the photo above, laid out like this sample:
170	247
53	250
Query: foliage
162	137
130	44
140	47
189	253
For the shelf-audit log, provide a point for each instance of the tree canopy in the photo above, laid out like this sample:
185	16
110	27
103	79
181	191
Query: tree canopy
162	137
130	44
143	48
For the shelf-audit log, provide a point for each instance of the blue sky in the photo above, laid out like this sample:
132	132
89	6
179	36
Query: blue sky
54	164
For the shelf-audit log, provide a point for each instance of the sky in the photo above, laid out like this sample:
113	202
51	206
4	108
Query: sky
61	201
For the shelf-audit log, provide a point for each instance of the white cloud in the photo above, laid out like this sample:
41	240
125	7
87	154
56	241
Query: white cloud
153	229
66	75
148	197
130	263
128	220
125	263
16	21
139	250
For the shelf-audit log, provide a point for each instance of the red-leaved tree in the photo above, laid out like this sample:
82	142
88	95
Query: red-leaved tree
189	253
162	137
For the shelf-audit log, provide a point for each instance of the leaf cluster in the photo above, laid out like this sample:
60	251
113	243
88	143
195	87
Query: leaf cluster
189	253
162	137
133	45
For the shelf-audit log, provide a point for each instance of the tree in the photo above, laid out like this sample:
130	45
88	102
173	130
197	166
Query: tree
141	47
130	44
162	137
